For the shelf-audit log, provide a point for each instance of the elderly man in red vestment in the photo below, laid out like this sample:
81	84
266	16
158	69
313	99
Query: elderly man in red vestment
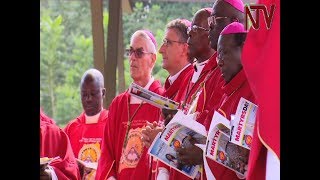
123	155
86	131
261	62
54	143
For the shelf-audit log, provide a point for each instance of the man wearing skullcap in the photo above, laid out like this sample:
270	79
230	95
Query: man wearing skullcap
230	44
123	155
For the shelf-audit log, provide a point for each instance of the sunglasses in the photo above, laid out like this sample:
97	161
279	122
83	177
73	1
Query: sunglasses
195	28
138	53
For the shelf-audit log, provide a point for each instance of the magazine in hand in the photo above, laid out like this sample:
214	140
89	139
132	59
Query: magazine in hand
152	98
219	149
182	131
242	125
45	161
91	165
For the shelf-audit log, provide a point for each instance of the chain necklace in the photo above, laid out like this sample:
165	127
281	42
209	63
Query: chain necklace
130	119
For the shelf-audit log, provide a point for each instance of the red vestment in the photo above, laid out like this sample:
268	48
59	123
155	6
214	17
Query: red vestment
85	138
209	81
261	62
189	93
131	161
55	142
238	87
211	94
172	91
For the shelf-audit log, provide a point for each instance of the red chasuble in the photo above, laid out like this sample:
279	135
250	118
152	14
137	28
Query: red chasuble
85	138
172	90
261	62
123	155
55	142
210	97
192	90
209	80
232	92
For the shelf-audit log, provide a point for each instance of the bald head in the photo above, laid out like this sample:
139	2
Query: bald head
92	91
198	42
93	75
202	15
224	13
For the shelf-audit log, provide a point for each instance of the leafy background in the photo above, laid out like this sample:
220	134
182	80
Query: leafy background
66	48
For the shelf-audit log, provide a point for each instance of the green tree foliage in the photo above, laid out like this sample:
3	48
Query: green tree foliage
50	66
66	47
154	17
65	53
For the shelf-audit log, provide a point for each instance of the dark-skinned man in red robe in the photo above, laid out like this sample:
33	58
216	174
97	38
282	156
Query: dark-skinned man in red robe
86	131
195	84
230	44
223	13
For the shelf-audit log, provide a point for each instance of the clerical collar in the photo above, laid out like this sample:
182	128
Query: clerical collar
92	119
197	70
174	77
235	83
134	100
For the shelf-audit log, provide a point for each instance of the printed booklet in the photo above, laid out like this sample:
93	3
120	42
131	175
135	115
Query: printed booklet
181	131
152	98
220	145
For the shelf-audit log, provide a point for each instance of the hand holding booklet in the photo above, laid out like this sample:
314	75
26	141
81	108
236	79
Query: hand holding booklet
152	98
90	165
220	145
178	133
243	124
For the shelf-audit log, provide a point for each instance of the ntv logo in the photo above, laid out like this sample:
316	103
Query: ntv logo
256	21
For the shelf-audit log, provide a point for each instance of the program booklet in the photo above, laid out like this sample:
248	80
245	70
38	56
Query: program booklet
181	131
242	125
152	98
220	149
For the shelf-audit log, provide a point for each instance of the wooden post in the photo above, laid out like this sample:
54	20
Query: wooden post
112	50
97	34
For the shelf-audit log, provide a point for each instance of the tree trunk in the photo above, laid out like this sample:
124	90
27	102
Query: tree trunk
121	80
112	51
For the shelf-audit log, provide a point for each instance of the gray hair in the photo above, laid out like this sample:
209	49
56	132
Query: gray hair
95	74
140	33
181	26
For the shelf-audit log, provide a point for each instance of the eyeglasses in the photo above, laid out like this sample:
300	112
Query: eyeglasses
213	20
195	28
168	42
138	53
